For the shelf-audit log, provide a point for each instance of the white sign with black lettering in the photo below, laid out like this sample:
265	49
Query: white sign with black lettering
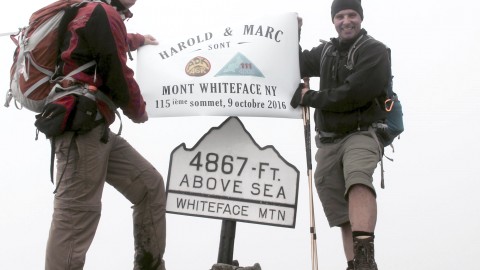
247	68
226	175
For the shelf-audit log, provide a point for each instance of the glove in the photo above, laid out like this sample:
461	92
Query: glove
297	97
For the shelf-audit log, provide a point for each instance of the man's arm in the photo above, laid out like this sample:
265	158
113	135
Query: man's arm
136	41
106	34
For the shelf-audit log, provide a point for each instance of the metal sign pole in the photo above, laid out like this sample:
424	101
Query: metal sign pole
227	241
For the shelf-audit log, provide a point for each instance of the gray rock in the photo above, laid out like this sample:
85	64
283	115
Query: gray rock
222	266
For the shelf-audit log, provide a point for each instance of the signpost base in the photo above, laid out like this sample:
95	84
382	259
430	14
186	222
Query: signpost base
227	241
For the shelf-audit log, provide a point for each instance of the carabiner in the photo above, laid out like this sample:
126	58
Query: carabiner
389	104
8	98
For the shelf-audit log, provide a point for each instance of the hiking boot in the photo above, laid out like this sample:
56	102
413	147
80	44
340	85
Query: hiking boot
364	254
350	265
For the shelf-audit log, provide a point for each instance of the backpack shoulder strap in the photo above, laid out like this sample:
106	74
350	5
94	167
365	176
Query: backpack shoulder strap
328	46
353	49
351	52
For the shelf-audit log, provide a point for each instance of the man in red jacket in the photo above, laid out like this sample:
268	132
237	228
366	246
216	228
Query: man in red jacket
85	161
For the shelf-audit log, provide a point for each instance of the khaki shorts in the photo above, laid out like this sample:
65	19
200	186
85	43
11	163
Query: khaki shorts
340	165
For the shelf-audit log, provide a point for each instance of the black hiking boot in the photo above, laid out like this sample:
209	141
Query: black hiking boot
350	265
364	254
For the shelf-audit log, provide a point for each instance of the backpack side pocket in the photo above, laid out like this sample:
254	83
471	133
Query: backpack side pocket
84	117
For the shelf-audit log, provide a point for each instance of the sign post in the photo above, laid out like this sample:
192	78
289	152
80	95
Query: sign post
227	242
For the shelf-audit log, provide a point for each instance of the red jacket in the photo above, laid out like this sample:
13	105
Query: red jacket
98	33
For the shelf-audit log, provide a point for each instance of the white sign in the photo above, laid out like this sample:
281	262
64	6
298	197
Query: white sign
226	175
245	69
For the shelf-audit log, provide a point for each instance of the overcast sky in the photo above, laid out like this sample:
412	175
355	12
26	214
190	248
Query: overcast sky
428	213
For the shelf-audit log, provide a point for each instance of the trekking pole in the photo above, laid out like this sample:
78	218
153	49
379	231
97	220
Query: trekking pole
313	234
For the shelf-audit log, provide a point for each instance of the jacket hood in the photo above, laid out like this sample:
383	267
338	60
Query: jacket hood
115	3
119	7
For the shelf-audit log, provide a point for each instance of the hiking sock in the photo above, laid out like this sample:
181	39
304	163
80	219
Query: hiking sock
362	235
